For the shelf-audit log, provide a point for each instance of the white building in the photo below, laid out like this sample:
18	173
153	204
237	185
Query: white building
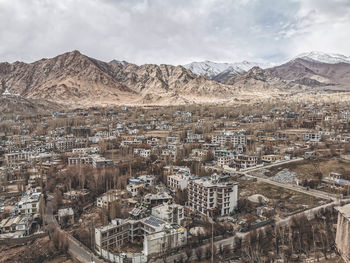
163	241
157	235
234	138
171	213
107	198
312	136
145	153
29	204
214	195
18	226
134	186
178	181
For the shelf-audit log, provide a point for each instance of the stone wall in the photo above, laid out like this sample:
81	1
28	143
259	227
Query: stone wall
342	239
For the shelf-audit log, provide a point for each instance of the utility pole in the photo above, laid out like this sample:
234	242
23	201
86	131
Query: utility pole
212	242
92	241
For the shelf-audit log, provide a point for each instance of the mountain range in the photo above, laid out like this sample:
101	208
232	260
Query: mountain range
74	79
221	71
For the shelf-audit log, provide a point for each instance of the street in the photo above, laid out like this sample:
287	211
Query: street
77	251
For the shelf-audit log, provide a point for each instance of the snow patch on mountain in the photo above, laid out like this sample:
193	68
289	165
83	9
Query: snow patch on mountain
324	57
119	62
211	69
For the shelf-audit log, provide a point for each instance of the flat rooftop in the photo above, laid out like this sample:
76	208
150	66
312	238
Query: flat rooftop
345	210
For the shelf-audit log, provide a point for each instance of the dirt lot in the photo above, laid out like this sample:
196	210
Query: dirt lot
158	133
307	168
284	200
40	250
117	156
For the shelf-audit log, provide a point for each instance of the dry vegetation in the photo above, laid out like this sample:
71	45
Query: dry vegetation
283	202
42	250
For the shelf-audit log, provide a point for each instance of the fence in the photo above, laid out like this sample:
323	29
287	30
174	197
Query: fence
135	258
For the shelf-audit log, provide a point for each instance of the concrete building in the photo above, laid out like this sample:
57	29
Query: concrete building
65	216
134	186
78	160
342	239
162	241
233	138
145	153
243	161
178	181
157	199
194	138
29	204
171	213
312	136
147	179
270	158
157	235
107	198
12	159
17	226
99	162
214	195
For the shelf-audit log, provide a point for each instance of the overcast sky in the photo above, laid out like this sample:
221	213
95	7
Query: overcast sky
173	31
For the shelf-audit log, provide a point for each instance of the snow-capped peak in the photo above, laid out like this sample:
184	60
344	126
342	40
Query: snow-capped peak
210	69
119	62
324	57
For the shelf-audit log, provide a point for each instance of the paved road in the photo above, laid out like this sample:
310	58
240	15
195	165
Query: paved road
314	193
311	192
82	254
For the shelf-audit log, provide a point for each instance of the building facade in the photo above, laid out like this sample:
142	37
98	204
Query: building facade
213	196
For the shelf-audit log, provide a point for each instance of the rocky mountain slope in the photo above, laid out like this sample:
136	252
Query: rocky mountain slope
23	106
74	79
312	73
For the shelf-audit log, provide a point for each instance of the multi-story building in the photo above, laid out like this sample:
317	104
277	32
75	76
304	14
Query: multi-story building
245	161
78	160
312	136
193	137
29	204
157	199
169	154
134	186
178	181
171	213
200	154
145	153
19	226
85	151
233	138
99	161
214	195
157	235
12	159
107	198
270	158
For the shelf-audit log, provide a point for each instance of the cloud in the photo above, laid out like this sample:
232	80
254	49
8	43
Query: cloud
323	25
176	32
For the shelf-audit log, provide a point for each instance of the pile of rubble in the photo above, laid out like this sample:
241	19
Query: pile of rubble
285	176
